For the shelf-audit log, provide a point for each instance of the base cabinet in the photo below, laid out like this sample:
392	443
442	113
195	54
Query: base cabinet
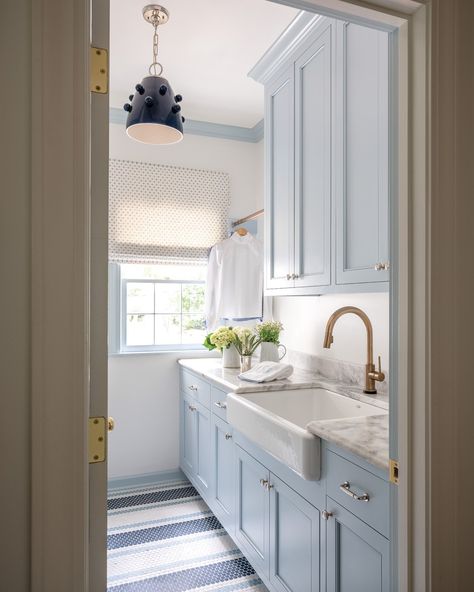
276	518
223	473
252	510
357	555
295	540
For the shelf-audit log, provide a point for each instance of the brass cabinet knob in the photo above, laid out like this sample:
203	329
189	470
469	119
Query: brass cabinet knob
110	424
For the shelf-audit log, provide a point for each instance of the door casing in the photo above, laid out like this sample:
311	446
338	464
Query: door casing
65	239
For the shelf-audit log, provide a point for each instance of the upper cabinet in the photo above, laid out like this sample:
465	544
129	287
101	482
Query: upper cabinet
327	146
362	185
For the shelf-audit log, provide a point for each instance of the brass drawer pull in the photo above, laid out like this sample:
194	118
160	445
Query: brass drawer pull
192	387
346	488
220	404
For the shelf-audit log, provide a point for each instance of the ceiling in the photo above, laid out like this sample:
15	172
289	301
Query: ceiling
207	48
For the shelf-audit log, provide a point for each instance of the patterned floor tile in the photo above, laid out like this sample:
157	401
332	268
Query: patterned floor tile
164	538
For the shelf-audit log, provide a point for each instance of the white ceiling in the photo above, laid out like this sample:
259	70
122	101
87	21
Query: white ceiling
207	48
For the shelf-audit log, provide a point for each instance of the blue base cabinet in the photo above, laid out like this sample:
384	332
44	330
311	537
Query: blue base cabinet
357	555
223	473
299	536
295	540
252	510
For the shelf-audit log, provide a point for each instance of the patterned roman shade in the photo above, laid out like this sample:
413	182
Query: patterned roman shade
160	213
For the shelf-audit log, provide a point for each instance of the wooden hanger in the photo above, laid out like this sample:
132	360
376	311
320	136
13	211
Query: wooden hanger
241	231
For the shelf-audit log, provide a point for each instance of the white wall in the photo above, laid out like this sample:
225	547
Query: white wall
305	317
144	389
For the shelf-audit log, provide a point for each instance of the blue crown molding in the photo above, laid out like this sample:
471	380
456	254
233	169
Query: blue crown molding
206	128
278	54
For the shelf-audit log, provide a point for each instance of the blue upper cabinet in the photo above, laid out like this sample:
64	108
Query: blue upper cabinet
362	149
279	134
327	149
313	97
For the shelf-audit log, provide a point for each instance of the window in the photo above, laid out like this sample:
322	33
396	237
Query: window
161	307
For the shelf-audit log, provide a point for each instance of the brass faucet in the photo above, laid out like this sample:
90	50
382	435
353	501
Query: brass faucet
371	375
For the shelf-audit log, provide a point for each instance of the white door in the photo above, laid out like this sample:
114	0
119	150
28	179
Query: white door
98	303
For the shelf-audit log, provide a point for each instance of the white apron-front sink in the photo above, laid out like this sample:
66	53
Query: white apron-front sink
277	420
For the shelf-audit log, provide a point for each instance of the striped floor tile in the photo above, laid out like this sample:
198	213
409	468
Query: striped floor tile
164	538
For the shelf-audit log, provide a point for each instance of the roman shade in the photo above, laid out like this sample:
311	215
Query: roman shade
161	213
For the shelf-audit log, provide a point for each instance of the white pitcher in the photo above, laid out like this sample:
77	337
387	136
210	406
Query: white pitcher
269	352
230	357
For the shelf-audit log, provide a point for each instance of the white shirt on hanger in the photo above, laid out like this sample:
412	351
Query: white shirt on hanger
234	288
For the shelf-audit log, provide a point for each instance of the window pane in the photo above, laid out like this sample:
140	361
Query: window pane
193	298
194	328
167	329
168	298
140	329
140	297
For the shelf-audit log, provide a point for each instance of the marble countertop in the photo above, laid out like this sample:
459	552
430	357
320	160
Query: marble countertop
365	436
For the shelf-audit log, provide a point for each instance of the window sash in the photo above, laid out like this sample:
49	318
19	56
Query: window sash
124	347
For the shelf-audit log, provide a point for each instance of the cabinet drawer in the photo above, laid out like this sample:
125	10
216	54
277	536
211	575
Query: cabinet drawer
345	478
218	402
196	387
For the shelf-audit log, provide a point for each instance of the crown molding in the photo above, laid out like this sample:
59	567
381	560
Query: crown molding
278	54
206	128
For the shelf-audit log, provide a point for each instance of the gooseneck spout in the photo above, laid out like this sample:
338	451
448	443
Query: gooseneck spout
371	375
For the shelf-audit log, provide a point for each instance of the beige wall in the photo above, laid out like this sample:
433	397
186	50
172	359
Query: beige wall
14	295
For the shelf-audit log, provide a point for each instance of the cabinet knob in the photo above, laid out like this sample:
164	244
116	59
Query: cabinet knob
295	276
192	387
378	266
191	408
228	436
264	482
220	404
386	265
288	276
326	515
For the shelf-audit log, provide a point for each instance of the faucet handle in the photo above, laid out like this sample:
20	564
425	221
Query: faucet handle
377	375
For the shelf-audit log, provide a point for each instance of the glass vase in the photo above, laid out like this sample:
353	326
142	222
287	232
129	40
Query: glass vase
245	363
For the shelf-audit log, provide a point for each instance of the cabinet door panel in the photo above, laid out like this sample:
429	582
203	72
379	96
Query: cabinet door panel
188	434
279	206
357	555
223	471
313	92
252	510
203	448
294	541
362	176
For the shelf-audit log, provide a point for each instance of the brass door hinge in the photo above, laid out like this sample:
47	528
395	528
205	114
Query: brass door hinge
393	471
99	70
97	439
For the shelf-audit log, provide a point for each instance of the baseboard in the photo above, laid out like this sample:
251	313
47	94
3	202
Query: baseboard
145	479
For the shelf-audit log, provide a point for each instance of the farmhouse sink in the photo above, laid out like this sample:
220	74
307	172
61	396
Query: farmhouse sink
277	420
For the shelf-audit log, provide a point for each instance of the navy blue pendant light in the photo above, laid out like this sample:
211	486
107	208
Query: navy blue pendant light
154	111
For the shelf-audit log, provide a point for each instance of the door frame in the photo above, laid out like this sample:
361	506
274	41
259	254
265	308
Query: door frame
61	249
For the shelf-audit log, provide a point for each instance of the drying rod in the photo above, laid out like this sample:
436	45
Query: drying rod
248	218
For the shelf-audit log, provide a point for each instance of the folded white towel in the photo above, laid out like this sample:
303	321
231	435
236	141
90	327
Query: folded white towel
267	371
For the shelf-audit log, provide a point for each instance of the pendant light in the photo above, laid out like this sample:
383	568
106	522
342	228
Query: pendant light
154	112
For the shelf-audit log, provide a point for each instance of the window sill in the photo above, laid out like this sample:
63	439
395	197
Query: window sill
198	353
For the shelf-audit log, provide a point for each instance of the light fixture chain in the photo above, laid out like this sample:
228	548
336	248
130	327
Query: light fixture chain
155	64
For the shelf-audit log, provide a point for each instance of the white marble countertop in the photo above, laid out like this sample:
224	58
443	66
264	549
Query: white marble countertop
365	436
